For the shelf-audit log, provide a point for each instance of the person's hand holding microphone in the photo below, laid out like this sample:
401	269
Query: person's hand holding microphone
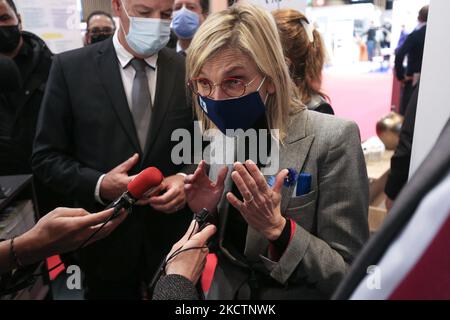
115	182
188	256
62	230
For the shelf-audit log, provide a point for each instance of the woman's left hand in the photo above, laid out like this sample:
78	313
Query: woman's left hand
261	206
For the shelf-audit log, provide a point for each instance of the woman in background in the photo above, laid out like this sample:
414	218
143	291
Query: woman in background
305	53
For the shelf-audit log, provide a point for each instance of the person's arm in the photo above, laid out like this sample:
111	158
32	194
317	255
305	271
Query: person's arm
400	57
184	269
175	287
52	160
398	176
342	228
6	262
60	231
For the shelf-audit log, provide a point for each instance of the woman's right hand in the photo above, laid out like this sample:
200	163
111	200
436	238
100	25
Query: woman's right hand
201	192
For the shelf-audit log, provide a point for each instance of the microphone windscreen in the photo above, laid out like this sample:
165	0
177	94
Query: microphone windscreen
144	181
10	79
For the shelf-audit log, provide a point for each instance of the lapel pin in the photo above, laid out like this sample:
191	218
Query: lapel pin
291	177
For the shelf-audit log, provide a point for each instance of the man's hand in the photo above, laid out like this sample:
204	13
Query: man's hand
173	198
115	182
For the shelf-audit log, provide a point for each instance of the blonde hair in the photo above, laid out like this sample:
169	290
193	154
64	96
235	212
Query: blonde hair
253	31
306	57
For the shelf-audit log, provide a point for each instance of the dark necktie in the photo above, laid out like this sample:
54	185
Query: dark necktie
141	107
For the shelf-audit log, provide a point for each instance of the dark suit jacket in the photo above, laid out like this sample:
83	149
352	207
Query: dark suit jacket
413	48
398	176
86	128
429	174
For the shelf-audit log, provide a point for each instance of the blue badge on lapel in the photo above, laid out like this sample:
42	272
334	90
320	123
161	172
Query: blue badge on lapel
291	177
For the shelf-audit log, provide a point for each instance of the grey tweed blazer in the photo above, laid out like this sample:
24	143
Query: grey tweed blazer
331	220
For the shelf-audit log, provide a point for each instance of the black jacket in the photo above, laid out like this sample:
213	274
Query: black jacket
19	110
320	104
398	176
86	129
413	49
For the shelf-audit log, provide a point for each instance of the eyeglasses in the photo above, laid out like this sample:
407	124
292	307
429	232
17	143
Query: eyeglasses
232	87
101	30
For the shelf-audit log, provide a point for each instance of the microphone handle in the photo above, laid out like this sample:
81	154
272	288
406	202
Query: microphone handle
125	201
203	218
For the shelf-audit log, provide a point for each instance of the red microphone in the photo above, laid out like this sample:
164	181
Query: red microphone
145	182
141	186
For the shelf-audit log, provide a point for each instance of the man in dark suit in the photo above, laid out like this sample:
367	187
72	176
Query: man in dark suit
411	249
400	161
109	112
413	49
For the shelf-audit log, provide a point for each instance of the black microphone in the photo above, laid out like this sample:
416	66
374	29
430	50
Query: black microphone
203	218
10	79
139	187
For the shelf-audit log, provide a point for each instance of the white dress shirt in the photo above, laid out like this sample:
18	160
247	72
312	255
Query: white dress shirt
179	48
128	73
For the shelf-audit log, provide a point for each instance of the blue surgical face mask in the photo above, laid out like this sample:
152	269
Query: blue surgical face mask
147	35
236	113
185	23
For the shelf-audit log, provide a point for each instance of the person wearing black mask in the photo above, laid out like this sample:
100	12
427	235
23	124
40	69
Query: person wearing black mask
100	26
288	227
19	108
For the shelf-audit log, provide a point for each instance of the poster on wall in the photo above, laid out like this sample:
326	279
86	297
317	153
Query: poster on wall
270	5
57	22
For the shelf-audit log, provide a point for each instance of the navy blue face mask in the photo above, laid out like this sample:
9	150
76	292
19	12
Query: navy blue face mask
236	113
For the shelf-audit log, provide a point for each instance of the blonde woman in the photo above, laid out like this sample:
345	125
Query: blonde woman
272	242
